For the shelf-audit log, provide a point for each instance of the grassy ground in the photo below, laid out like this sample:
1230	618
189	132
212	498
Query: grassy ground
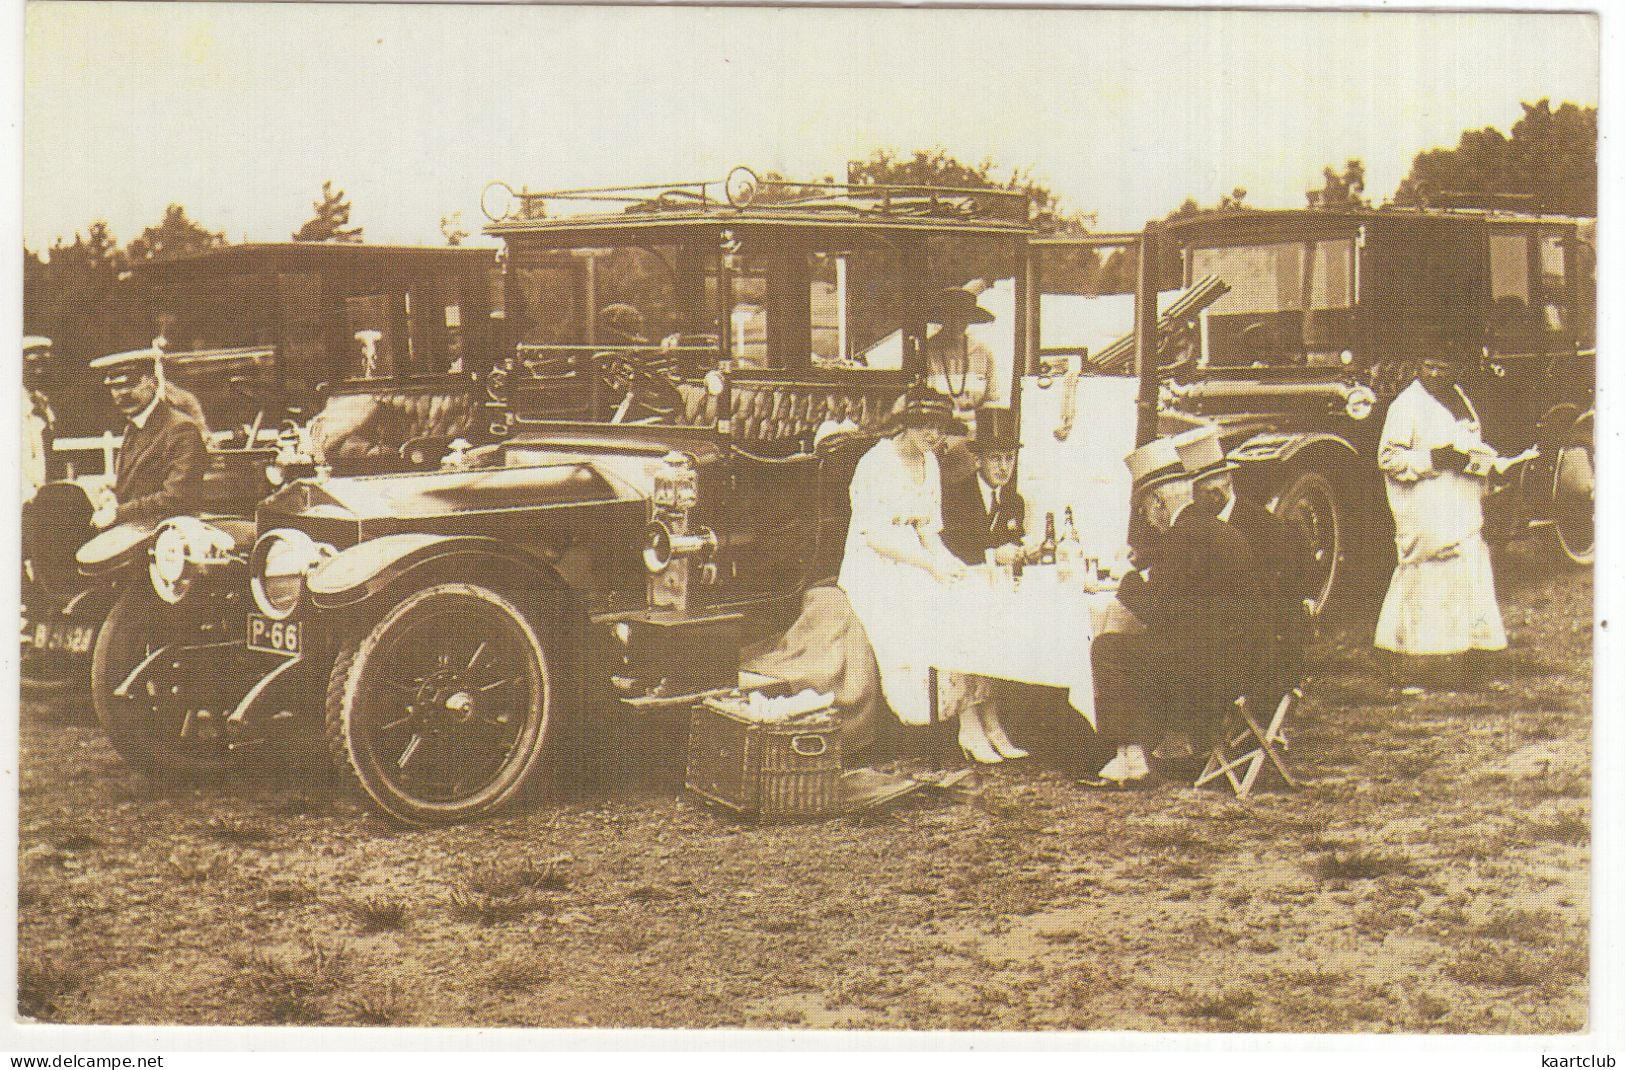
1431	877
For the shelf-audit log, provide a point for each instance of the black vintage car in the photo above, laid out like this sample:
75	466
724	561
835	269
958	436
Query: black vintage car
1326	318
641	494
266	335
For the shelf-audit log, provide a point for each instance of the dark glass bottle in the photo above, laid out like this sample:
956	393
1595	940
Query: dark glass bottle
1046	549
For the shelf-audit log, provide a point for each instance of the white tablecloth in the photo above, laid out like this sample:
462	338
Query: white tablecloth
1037	633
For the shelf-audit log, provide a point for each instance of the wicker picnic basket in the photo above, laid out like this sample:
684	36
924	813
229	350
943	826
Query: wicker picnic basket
772	770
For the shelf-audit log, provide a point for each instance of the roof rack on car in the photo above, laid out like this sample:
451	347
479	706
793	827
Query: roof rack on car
743	190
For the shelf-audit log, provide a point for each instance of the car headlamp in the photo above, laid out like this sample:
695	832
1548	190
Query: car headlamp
278	566
1359	402
182	550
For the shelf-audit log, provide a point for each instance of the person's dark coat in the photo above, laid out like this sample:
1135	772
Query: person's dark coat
160	467
1286	568
1203	607
969	529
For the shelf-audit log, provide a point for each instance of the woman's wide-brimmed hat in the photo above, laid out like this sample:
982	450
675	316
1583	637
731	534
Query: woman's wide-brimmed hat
955	305
923	407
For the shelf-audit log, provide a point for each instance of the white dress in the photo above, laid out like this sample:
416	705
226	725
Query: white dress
1442	597
893	600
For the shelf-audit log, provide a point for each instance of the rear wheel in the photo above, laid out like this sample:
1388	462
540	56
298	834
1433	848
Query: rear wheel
1574	494
157	725
441	711
1310	503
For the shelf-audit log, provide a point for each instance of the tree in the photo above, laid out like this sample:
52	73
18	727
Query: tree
1340	190
934	167
176	235
328	224
1549	161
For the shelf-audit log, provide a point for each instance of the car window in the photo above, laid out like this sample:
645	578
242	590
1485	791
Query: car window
1511	310
1554	283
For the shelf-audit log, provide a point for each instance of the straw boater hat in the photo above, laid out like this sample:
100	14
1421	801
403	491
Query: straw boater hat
995	430
955	305
118	368
1202	453
923	407
1154	464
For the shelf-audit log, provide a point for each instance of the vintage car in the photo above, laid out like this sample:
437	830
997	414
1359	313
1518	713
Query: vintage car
644	496
266	336
1325	318
71	574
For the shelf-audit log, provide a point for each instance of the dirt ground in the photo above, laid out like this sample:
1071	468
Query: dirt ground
1431	877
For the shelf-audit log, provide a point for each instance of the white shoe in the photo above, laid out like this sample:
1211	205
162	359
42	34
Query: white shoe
1001	742
1117	770
973	741
1137	767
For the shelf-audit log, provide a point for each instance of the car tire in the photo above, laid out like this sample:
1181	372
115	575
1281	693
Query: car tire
441	711
166	744
1309	500
1574	516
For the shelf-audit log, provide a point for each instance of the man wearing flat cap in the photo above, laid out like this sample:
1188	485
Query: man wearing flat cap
1200	604
160	466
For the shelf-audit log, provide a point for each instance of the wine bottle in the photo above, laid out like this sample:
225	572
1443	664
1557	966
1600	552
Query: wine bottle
1071	545
1046	549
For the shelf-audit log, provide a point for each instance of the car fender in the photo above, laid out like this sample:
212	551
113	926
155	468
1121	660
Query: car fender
1285	447
361	572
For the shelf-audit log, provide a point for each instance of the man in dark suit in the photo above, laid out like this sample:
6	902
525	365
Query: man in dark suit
1279	548
1200	604
982	511
160	466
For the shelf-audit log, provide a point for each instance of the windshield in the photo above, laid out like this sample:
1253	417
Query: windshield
1289	302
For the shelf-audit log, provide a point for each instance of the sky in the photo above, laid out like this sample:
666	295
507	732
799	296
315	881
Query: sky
240	112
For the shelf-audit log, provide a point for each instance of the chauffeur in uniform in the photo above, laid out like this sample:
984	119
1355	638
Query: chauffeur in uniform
983	511
160	465
1200	603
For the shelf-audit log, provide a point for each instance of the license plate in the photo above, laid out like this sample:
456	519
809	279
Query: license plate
273	636
71	638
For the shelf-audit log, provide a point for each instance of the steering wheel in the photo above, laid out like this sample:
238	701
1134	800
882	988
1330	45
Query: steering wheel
642	381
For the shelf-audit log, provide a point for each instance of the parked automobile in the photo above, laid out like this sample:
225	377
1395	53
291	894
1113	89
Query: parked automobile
72	575
1326	318
642	498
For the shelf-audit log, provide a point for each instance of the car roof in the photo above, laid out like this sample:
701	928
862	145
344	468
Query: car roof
1246	221
669	207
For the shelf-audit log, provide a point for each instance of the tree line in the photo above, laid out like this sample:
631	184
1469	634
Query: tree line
1546	162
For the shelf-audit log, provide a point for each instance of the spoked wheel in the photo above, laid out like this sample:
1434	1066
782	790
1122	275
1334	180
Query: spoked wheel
441	711
156	721
1311	504
1574	494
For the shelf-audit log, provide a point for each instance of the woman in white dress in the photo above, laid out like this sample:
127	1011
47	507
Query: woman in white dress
895	564
1441	602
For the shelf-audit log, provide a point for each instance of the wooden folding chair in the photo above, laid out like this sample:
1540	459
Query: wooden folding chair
1245	747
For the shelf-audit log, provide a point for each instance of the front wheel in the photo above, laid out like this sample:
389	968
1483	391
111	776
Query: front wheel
157	720
441	711
1311	504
